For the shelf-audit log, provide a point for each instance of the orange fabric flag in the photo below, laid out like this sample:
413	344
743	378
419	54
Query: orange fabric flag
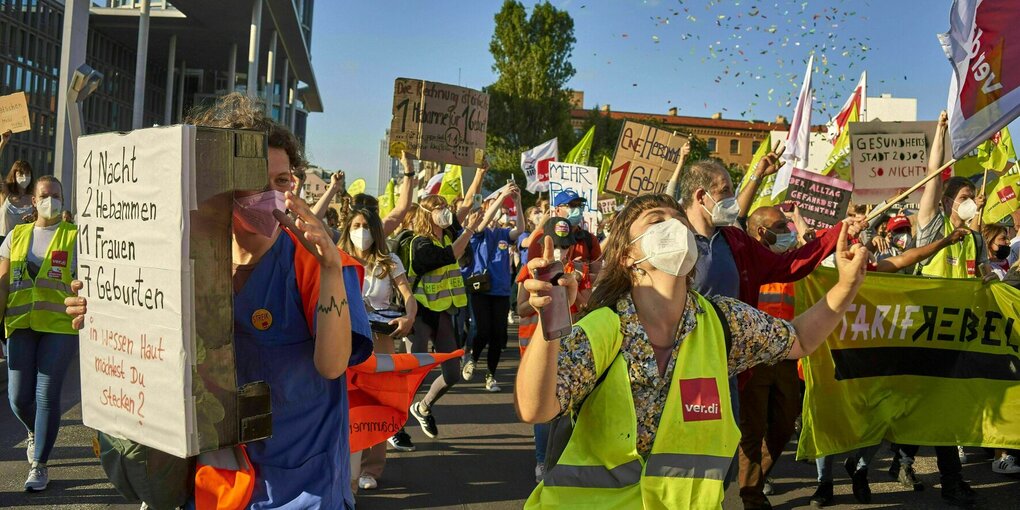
380	391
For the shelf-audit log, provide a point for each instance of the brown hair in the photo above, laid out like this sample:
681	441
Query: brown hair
859	209
616	279
421	220
378	253
47	178
953	187
237	111
992	230
11	182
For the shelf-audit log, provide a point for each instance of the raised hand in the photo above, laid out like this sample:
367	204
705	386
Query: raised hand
851	261
310	231
768	165
538	290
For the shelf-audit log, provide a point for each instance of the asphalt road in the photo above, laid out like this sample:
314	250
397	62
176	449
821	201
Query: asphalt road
483	459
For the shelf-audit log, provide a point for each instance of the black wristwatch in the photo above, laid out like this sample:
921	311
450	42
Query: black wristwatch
409	174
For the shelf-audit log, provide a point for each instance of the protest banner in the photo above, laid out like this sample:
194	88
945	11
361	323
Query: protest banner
822	200
644	160
607	206
984	93
438	122
157	350
926	361
133	194
583	180
14	113
889	157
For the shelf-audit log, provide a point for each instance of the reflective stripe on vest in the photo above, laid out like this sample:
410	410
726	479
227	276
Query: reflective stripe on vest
39	304
955	261
440	288
693	446
776	299
525	329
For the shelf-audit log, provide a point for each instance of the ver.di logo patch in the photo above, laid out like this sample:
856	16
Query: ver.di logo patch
700	399
261	319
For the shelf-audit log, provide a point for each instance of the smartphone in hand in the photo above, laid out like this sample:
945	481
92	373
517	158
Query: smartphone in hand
556	320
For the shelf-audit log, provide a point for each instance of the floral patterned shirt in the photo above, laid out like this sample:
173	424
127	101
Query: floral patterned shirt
757	338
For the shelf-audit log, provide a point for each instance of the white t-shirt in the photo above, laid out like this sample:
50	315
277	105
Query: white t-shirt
378	291
40	244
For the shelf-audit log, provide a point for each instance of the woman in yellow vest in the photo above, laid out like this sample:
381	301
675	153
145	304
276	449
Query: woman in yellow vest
439	289
943	208
644	375
37	265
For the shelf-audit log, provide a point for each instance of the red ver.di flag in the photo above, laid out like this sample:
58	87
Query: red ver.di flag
984	95
535	165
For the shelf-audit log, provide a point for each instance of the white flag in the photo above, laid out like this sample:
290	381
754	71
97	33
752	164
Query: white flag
535	164
984	94
798	141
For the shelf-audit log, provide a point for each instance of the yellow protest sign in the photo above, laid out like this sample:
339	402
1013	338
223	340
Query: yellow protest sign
927	361
356	187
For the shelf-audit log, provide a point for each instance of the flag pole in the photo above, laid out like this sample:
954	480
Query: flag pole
984	182
882	208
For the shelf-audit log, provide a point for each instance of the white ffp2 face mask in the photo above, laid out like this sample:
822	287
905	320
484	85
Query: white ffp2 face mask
442	217
50	207
725	211
967	210
669	246
361	238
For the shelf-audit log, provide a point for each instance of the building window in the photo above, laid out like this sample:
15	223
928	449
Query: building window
734	146
754	146
711	145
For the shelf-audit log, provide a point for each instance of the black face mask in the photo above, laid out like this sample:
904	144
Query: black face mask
1002	252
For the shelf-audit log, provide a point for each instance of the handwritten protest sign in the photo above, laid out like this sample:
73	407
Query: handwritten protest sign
14	113
889	157
644	160
439	122
607	206
822	201
133	192
583	180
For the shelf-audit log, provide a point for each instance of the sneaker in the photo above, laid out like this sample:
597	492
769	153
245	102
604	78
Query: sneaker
539	472
767	489
861	488
490	384
822	496
1005	465
30	448
908	479
894	469
963	455
468	370
959	494
38	479
425	419
367	482
401	441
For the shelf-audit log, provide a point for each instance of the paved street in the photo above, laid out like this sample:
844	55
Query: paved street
483	459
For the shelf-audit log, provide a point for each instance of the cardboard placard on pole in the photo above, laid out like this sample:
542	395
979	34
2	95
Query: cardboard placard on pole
439	122
644	160
582	180
822	200
14	113
888	157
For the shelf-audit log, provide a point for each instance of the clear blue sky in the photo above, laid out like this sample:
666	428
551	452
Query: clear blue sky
643	56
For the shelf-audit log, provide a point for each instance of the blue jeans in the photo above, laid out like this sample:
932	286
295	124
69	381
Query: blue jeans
36	366
863	455
541	441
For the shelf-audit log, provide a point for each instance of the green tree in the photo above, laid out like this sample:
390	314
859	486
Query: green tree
529	102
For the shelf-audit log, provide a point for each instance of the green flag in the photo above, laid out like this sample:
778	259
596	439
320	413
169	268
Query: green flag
839	159
1002	196
994	154
604	173
451	183
580	153
387	200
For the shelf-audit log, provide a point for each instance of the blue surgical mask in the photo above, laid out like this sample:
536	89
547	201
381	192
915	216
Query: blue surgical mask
575	216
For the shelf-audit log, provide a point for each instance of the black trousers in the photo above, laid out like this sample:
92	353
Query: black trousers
490	315
946	457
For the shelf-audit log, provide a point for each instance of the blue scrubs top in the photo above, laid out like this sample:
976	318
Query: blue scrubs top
492	253
305	464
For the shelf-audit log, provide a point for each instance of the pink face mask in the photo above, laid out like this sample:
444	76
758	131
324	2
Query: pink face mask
254	213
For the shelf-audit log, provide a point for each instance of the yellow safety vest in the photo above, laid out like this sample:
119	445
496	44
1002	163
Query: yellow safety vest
440	288
39	304
956	261
694	445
